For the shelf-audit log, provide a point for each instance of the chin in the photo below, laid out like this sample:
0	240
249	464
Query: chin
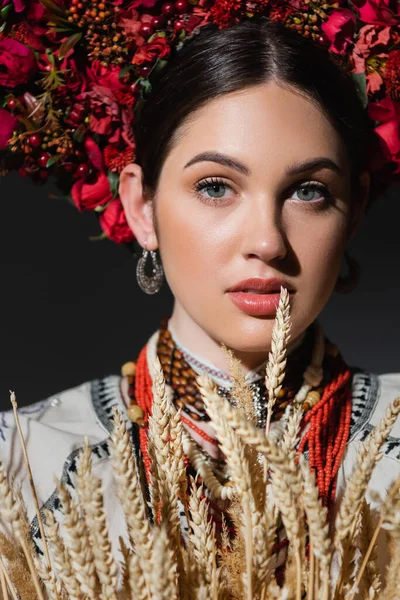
247	334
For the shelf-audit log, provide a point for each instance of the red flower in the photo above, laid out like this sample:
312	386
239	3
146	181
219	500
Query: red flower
149	52
225	12
108	76
387	113
368	57
17	63
114	225
378	12
145	3
116	159
87	196
106	116
339	29
7	125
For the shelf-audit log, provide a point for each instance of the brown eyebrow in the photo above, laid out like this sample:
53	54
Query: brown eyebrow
321	162
295	169
222	159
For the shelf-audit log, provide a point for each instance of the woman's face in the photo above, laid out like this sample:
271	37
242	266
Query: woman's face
267	217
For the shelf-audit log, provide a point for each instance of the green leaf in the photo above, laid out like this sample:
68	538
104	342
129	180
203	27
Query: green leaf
79	133
2	28
125	70
158	67
68	44
52	160
61	29
5	11
113	180
156	35
53	8
361	84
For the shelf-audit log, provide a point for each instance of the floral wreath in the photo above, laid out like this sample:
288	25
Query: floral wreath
73	71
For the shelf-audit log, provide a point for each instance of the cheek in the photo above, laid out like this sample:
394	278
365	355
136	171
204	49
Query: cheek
192	245
320	253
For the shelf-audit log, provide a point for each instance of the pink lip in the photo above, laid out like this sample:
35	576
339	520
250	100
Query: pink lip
261	285
255	304
258	304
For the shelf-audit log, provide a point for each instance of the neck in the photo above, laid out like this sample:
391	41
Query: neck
198	342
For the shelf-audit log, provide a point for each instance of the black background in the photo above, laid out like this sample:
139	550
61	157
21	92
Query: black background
71	309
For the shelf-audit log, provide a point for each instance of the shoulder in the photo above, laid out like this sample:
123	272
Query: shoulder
372	394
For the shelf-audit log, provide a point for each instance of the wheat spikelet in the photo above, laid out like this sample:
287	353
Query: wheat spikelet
12	512
370	583
275	370
138	589
264	530
77	543
132	501
46	575
290	437
164	580
96	520
61	558
201	534
318	525
241	391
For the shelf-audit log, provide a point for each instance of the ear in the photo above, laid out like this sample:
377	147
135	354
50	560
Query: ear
138	210
359	210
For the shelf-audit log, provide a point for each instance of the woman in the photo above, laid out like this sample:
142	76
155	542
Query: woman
251	174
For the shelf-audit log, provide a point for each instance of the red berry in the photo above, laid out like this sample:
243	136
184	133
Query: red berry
323	39
43	175
158	22
82	171
43	159
146	30
182	6
23	172
168	9
11	103
145	71
35	140
69	167
179	25
134	88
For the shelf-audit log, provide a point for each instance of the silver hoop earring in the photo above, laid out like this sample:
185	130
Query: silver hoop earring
152	284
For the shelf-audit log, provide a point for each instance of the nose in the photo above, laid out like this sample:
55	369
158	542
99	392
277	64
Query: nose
263	232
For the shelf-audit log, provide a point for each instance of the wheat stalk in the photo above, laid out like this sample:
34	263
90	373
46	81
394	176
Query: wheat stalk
33	488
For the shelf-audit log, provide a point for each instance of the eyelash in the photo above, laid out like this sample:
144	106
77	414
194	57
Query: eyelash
314	185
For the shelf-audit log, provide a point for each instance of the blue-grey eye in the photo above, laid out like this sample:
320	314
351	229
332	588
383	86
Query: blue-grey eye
212	188
216	190
308	192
